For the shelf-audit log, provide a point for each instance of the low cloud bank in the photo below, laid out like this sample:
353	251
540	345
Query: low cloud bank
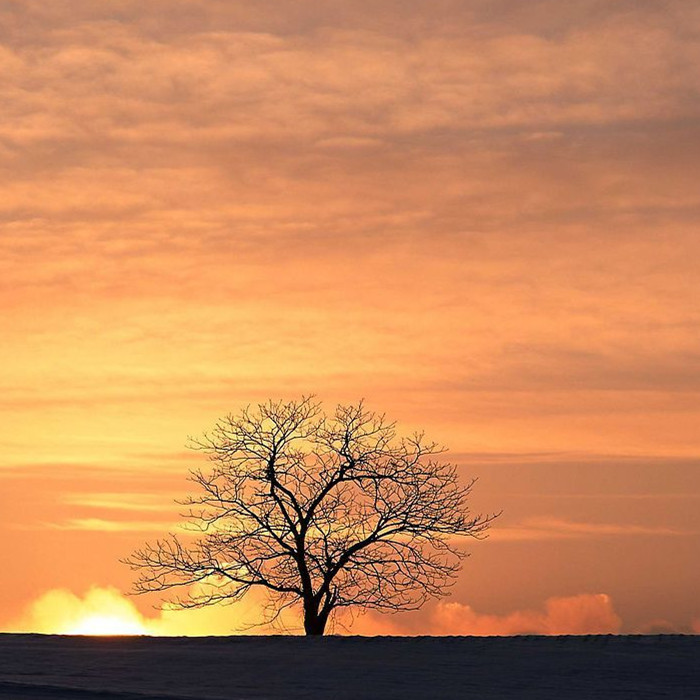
580	614
108	611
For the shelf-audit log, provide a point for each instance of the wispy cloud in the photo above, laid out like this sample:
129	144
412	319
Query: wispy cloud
104	525
149	502
553	529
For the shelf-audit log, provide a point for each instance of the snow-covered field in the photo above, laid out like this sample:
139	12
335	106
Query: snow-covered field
36	667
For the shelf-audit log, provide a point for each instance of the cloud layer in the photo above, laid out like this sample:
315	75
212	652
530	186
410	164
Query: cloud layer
582	614
106	610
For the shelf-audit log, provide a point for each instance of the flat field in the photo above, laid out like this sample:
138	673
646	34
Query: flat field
35	667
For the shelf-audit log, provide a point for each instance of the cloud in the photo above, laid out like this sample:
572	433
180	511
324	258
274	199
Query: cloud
579	614
341	79
547	528
148	502
474	176
139	126
660	626
105	525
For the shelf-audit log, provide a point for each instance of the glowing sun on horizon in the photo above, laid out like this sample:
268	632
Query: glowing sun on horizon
100	611
106	626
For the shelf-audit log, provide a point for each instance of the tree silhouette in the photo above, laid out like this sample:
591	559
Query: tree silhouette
322	512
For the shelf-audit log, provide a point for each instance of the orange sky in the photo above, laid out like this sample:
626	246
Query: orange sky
481	216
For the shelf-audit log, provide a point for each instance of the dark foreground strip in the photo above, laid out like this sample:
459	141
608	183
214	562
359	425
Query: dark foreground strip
14	690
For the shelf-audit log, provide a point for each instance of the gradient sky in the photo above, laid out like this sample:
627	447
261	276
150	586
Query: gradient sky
479	215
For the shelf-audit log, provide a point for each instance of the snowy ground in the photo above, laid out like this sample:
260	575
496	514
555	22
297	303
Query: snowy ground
81	668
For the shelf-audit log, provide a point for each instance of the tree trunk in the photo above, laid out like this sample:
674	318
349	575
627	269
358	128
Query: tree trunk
314	623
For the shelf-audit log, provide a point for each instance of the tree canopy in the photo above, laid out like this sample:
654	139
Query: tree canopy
323	512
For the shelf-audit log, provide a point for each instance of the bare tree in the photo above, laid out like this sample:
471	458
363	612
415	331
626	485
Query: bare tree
323	513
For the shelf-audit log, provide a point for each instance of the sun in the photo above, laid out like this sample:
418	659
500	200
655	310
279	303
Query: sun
106	625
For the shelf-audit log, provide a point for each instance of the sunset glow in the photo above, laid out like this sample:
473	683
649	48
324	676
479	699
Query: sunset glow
480	217
106	625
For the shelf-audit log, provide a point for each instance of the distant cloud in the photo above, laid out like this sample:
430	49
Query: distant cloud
660	626
580	614
544	528
149	502
104	525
